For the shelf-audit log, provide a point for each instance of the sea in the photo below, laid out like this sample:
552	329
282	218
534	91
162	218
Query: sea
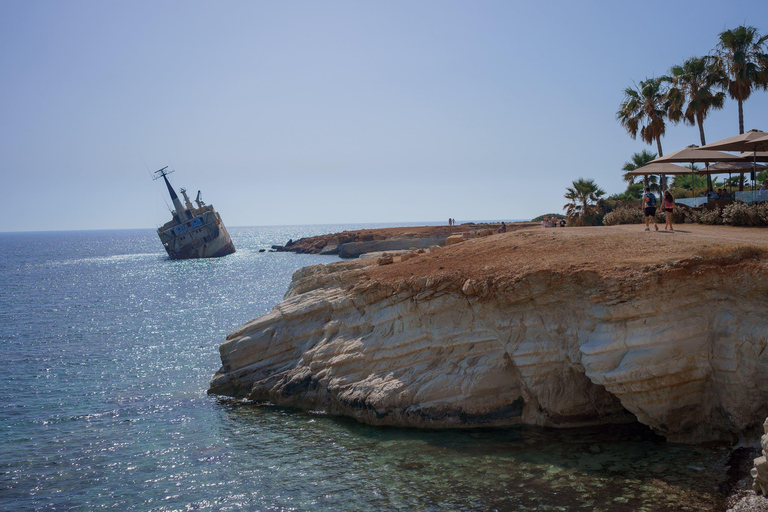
107	350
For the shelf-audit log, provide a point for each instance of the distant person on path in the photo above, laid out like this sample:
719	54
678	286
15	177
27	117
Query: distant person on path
503	227
649	209
669	208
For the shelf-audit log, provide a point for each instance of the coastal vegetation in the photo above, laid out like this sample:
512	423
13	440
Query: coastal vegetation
693	93
733	214
742	55
582	200
644	110
637	161
735	67
548	215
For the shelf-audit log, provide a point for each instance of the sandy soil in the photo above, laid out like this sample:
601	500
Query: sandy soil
618	251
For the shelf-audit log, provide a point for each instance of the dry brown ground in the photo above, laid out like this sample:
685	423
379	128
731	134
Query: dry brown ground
625	251
316	243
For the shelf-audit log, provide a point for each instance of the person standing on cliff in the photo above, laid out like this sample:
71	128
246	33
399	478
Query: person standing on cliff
668	203
649	209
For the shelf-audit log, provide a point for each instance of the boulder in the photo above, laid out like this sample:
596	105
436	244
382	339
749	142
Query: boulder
760	471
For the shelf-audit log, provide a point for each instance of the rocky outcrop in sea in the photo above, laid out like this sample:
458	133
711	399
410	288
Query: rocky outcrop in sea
491	332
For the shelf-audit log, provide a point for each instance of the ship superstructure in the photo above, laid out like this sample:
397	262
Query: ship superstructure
194	232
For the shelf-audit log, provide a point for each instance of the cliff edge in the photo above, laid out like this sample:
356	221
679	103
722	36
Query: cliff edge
352	244
555	327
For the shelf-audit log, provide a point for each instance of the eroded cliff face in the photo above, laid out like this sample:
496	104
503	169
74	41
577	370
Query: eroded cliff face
680	349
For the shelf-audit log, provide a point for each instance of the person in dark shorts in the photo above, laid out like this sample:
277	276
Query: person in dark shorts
649	209
669	208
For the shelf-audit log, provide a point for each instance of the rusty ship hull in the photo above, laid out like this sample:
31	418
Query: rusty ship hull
203	236
194	232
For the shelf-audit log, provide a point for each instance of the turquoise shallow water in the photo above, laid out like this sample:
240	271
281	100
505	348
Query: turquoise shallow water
108	347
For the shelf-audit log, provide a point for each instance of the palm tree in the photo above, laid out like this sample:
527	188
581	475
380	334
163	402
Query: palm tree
692	95
742	55
644	109
582	197
634	192
637	161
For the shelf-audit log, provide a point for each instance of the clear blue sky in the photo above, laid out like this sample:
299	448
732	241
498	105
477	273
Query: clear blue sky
338	111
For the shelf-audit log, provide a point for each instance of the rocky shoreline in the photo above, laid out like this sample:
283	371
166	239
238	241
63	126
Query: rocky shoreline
558	328
352	244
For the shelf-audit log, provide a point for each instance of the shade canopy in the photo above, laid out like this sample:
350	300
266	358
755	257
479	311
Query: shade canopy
753	140
730	168
694	153
659	168
759	156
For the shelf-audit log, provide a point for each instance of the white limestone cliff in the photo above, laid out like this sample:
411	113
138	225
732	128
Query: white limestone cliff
683	353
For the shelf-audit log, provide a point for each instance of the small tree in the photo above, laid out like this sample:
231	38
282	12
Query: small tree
634	192
582	198
637	161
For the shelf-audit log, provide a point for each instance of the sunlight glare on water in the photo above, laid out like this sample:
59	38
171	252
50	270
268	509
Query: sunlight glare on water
108	348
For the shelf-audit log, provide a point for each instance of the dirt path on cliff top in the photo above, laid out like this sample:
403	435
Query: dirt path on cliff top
617	251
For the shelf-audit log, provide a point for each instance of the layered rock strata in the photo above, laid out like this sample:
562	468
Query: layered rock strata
351	244
501	336
355	249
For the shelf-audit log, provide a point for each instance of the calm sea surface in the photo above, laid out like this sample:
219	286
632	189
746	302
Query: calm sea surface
107	349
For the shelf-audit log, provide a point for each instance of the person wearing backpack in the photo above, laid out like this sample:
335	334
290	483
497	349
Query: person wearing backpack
649	208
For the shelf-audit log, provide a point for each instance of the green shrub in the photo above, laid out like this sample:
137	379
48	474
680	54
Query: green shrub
541	217
634	215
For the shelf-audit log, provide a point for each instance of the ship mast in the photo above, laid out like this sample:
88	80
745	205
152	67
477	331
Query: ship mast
176	203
